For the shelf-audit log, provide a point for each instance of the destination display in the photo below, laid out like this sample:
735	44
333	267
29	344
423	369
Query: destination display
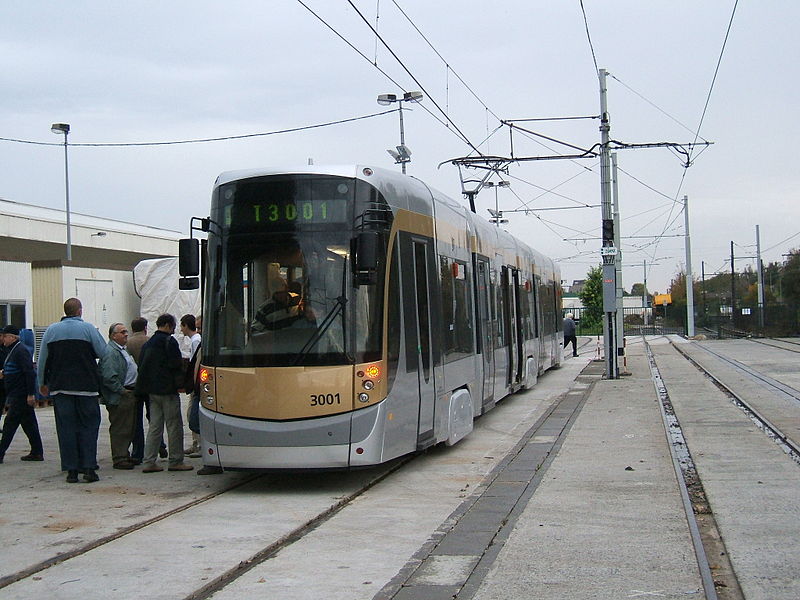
281	207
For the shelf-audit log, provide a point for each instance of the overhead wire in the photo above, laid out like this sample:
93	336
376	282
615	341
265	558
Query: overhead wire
589	37
442	58
414	78
201	140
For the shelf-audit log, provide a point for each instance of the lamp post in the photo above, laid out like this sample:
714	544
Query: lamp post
59	128
402	155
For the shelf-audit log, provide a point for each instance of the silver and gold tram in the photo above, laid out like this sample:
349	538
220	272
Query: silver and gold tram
353	315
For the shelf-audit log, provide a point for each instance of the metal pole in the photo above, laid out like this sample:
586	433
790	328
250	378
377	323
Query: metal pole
66	186
609	289
689	278
402	132
760	280
733	286
620	320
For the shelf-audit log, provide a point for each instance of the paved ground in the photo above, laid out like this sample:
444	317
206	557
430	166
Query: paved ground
583	501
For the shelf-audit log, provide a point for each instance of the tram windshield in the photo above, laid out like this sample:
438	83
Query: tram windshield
280	289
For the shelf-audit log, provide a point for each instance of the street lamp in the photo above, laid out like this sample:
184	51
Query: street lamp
497	214
403	154
59	128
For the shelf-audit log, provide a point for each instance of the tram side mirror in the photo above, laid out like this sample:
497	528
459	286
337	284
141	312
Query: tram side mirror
366	258
189	257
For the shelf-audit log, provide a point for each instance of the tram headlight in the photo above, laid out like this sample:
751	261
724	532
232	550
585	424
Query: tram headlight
368	384
363	397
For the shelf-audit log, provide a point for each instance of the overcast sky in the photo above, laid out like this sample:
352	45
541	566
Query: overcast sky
138	72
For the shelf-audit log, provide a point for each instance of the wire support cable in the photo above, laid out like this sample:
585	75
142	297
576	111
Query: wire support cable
203	140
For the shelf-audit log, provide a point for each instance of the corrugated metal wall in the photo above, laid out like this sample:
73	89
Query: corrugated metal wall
48	294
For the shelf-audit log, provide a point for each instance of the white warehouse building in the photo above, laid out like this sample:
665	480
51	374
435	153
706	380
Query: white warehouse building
36	278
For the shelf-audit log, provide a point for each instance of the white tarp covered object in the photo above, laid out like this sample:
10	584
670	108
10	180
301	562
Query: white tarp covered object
156	283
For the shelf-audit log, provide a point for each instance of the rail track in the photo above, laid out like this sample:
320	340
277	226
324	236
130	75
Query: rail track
281	492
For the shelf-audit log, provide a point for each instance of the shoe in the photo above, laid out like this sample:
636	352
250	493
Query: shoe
574	355
209	470
152	469
162	452
194	454
193	449
89	476
136	461
72	477
32	457
180	467
125	465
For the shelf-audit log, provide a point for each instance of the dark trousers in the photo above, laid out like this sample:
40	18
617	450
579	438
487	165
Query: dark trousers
574	340
122	420
194	413
137	452
19	413
77	426
142	405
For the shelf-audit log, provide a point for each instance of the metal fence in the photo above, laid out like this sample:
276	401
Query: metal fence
779	320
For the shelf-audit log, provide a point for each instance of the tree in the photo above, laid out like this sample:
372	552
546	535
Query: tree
790	286
592	299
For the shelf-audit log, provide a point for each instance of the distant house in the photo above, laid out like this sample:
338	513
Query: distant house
577	286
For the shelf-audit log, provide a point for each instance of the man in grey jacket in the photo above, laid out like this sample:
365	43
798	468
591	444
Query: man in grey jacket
118	372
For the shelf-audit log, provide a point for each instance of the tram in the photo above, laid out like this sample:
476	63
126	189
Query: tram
352	315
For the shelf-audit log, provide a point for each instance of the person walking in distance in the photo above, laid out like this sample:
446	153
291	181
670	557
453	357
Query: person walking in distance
569	334
160	368
118	371
68	372
19	380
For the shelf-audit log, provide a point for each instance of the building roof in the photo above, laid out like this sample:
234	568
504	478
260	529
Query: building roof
37	234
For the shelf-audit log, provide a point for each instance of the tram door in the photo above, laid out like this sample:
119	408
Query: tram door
485	333
422	316
517	335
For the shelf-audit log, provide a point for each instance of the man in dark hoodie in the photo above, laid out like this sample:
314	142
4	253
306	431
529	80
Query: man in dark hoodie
19	380
160	368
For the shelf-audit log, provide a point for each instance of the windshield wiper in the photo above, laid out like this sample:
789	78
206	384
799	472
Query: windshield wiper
341	301
339	307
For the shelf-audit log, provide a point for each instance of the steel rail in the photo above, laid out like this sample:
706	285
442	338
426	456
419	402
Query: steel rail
80	550
791	447
682	464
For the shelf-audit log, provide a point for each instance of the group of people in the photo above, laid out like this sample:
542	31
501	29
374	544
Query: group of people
130	374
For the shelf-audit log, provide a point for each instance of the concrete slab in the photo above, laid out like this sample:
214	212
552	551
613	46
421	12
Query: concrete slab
607	520
751	484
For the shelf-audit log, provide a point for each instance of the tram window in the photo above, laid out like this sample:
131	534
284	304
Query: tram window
525	311
457	314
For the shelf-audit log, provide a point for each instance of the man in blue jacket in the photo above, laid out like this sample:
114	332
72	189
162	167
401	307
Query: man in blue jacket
19	380
68	372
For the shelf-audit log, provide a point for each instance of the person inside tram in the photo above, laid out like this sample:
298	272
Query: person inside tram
278	312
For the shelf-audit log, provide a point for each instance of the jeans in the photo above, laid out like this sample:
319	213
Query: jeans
77	426
194	413
165	410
